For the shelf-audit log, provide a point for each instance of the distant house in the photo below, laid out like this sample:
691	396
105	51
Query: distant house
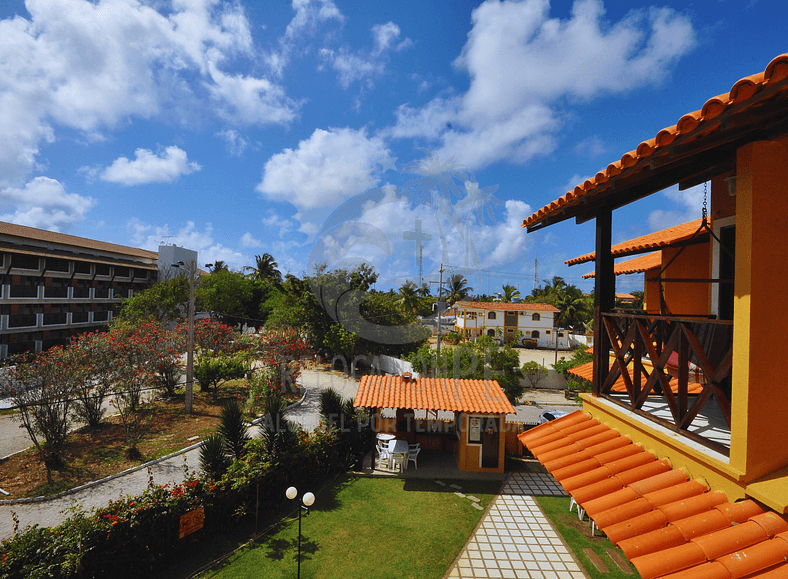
535	321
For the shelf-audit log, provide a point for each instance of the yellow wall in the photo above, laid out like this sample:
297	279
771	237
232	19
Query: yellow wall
759	428
687	298
651	291
469	455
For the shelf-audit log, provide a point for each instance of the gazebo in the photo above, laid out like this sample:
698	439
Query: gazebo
465	417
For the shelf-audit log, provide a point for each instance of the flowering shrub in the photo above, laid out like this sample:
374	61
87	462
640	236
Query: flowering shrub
210	335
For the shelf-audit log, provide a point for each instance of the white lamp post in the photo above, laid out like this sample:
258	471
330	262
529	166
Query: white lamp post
308	499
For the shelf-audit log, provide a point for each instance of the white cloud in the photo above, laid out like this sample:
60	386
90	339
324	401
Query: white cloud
522	63
235	142
325	169
686	205
148	167
45	204
365	65
309	15
147	236
247	240
591	147
94	66
386	35
275	222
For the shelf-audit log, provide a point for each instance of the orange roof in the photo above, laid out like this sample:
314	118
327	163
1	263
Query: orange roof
664	238
483	396
635	265
753	101
508	306
666	524
625	297
586	372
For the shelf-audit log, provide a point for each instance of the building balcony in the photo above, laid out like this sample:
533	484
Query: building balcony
675	372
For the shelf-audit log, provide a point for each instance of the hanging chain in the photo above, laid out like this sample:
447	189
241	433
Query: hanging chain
705	193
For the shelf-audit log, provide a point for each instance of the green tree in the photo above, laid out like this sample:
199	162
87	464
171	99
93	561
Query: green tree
509	293
227	293
482	360
408	297
457	288
265	269
163	301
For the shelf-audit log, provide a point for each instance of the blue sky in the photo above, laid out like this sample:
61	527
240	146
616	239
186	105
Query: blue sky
314	130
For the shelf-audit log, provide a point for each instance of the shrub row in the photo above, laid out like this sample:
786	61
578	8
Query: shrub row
133	535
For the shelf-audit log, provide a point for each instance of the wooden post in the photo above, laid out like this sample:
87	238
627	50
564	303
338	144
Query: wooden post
604	297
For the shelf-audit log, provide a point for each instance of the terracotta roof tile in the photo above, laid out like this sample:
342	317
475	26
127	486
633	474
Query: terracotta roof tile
664	238
15	230
696	122
586	372
636	265
483	396
668	526
525	306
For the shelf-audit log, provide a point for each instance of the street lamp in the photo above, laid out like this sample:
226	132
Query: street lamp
308	499
191	270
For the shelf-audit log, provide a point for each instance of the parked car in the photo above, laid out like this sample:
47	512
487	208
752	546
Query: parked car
548	415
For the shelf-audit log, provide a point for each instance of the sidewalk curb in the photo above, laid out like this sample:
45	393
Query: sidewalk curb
128	471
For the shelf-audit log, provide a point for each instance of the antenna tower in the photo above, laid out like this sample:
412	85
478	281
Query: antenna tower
536	272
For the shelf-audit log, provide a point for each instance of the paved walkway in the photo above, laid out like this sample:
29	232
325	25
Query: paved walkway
515	539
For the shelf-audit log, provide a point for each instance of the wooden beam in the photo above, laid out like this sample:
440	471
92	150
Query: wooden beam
604	296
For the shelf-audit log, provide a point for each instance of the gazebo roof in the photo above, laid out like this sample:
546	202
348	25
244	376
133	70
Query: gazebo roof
451	394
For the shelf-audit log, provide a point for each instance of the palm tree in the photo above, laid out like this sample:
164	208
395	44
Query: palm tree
570	302
457	288
425	290
218	266
408	297
509	293
266	268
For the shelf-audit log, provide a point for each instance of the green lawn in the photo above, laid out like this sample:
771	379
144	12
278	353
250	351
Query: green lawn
577	536
366	528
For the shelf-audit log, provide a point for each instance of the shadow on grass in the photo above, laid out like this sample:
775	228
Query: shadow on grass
278	548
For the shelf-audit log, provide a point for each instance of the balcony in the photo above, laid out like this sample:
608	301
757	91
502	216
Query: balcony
23	291
56	291
675	372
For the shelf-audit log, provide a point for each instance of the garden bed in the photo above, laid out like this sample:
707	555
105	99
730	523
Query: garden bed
94	453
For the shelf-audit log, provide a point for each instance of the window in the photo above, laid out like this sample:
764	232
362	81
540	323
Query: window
536	317
491	333
547	332
491	316
560	334
535	334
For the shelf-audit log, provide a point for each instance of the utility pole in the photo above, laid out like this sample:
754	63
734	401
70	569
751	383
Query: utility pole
440	295
190	270
438	307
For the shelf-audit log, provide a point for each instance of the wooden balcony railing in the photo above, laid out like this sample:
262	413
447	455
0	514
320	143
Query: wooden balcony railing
650	351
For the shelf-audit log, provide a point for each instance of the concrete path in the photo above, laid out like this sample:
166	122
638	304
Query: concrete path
515	539
49	512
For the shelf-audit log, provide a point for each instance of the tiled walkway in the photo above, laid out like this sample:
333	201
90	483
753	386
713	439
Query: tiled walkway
515	539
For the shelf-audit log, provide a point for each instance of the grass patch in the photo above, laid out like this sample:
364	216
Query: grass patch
577	535
365	528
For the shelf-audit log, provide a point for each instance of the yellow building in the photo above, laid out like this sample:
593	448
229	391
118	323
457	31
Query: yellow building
722	298
720	312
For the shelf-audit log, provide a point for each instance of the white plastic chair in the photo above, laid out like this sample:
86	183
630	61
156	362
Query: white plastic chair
383	453
413	454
